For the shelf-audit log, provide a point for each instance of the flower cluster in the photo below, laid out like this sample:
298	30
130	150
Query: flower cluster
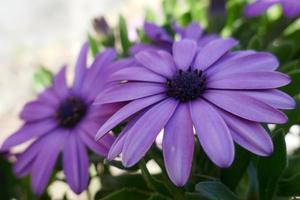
191	86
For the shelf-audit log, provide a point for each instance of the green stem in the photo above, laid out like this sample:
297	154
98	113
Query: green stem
146	174
163	185
276	31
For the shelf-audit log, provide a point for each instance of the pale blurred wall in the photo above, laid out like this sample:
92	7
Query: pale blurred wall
49	32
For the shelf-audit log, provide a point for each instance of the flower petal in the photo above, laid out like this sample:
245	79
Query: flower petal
213	133
137	74
213	51
118	144
129	91
125	112
25	161
244	62
116	147
157	61
274	98
29	131
156	33
183	53
248	80
259	7
81	67
204	40
291	8
49	97
178	145
193	31
75	162
101	147
36	110
46	159
249	135
60	86
245	106
142	135
97	74
103	110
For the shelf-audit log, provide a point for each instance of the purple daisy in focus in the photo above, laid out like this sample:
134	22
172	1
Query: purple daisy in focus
223	95
291	8
162	40
62	119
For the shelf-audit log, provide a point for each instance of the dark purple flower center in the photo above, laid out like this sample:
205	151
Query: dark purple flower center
70	112
186	85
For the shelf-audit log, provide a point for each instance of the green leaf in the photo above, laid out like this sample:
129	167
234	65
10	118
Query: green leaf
284	50
123	33
118	164
289	187
113	183
290	66
255	43
154	184
157	197
293	167
42	78
293	88
232	176
293	116
6	176
270	168
93	45
127	193
215	190
234	10
168	7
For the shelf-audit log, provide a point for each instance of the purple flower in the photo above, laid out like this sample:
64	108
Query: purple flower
223	95
62	119
162	40
291	8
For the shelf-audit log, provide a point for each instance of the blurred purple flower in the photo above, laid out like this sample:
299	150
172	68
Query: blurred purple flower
218	8
291	8
224	95
62	120
162	40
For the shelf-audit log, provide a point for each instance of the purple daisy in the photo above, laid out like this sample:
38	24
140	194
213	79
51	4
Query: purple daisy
291	8
62	119
162	40
223	95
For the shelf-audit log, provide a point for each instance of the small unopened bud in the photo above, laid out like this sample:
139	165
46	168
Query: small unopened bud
101	26
218	7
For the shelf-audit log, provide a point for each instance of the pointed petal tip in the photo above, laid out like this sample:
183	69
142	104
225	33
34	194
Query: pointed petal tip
77	190
128	163
99	135
268	151
179	181
226	163
283	120
110	157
